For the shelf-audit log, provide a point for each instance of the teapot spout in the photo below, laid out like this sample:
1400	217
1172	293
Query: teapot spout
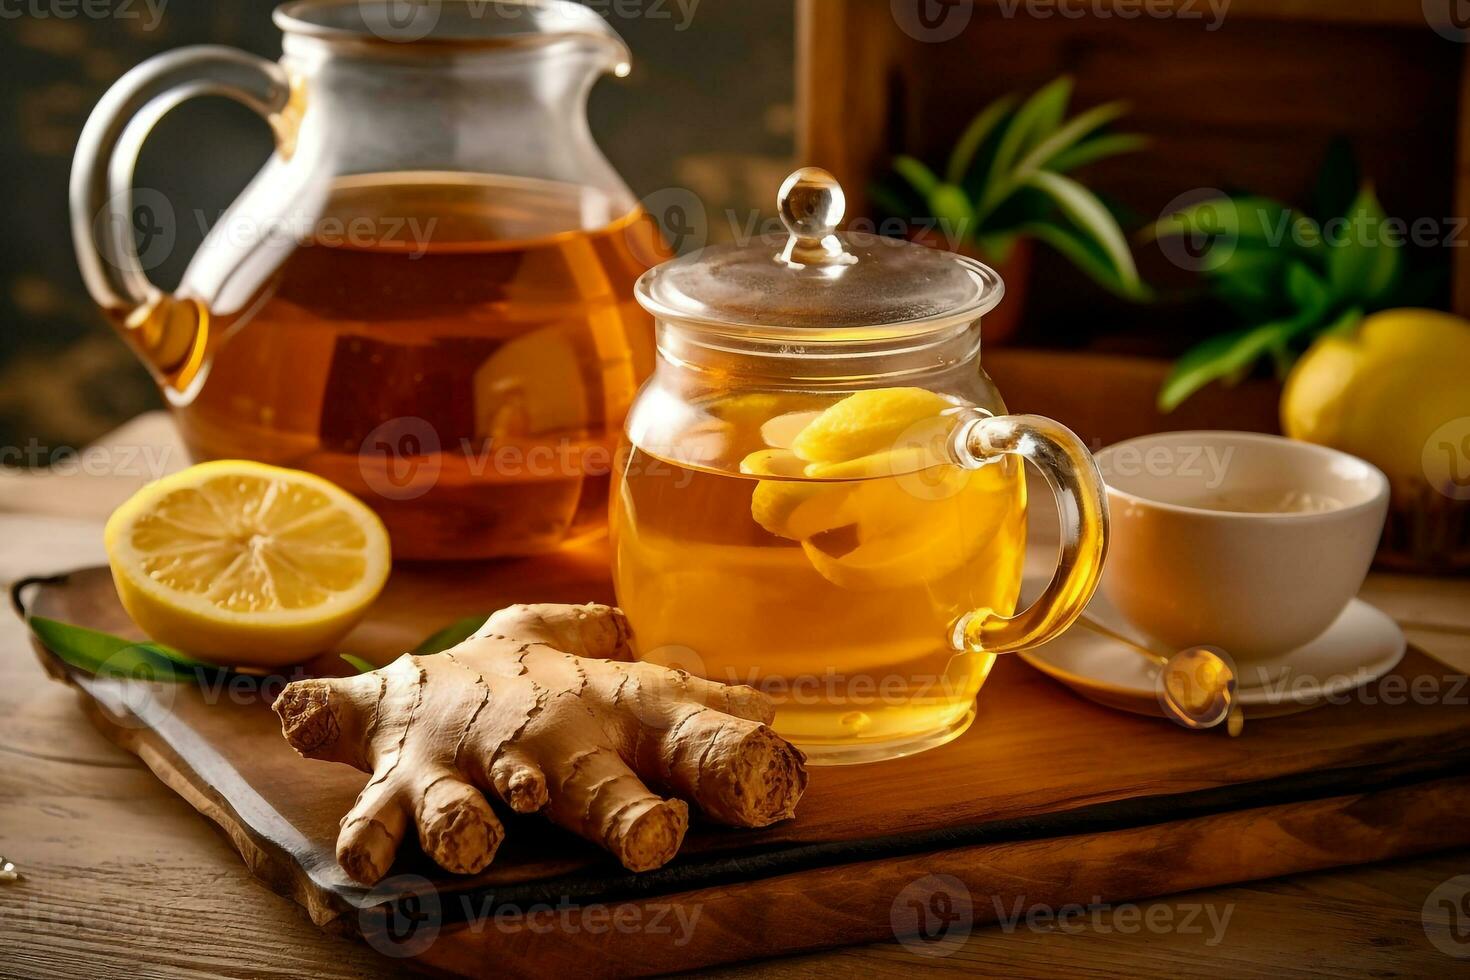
170	335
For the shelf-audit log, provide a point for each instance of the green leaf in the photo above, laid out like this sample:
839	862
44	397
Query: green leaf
1067	136
1240	270
962	157
453	634
917	173
1360	264
1249	219
996	248
1098	148
357	663
1087	256
1032	122
1344	324
1307	239
1047	107
1248	306
104	654
1228	355
1307	291
1025	205
952	209
1281	359
1092	219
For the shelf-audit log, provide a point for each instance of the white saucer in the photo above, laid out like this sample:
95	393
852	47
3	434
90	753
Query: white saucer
1359	647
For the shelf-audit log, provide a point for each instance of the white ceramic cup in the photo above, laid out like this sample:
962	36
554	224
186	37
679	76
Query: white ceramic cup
1256	584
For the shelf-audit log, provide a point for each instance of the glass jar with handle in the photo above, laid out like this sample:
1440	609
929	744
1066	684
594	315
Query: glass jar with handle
823	495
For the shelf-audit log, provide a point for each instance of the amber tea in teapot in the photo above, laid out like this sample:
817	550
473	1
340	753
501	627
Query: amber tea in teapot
466	383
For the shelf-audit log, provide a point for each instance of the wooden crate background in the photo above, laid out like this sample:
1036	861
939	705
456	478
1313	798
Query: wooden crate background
1252	105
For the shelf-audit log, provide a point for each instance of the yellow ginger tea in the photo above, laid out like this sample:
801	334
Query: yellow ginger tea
796	544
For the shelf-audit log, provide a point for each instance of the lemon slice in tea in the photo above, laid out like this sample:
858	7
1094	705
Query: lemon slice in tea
784	504
246	564
907	533
872	421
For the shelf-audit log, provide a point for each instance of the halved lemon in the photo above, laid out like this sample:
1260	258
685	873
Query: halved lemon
246	564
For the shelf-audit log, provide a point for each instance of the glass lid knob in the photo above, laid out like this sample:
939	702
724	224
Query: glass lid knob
816	282
811	204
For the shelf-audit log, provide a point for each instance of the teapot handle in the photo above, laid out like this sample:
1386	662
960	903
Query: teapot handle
169	334
1083	507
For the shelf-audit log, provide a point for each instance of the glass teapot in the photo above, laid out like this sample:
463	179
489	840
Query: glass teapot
426	295
824	497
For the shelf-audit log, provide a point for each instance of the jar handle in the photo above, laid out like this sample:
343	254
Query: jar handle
170	335
1083	506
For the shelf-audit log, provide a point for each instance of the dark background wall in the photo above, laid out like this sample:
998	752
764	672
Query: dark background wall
707	108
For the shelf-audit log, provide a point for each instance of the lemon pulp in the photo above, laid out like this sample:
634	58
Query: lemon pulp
245	563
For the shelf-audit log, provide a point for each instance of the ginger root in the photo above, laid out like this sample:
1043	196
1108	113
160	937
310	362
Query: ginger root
542	708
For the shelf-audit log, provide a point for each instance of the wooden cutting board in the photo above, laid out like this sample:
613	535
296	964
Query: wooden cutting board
1047	800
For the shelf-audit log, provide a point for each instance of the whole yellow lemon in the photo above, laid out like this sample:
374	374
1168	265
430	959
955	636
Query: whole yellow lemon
1382	391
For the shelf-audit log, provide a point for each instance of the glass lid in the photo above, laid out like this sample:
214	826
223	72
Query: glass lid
818	279
449	23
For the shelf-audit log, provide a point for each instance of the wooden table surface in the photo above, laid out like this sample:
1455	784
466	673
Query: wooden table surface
121	877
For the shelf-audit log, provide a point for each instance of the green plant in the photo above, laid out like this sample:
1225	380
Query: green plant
107	655
1006	178
1289	276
